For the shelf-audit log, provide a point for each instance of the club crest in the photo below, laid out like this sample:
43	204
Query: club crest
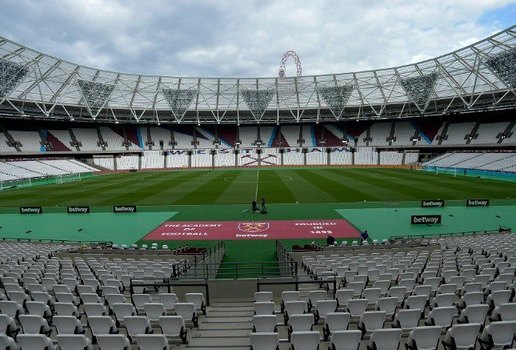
253	227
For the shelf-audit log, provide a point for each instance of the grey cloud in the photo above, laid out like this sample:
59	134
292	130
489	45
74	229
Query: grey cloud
244	37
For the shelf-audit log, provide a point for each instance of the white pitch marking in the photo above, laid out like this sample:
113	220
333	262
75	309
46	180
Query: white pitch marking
257	185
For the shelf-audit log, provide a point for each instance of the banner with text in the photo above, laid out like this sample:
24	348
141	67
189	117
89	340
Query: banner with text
124	209
425	219
432	203
477	202
78	209
236	230
31	210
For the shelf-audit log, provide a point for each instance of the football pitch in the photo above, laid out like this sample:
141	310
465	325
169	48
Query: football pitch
380	200
232	186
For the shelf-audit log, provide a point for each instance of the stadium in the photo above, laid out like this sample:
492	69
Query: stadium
160	212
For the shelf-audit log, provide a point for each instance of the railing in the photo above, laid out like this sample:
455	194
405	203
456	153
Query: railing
133	251
201	266
296	281
48	240
156	284
448	234
288	267
245	269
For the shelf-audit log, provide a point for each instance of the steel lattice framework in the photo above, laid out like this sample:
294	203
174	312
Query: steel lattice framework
479	77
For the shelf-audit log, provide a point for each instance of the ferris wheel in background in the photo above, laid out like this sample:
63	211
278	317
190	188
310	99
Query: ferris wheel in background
284	59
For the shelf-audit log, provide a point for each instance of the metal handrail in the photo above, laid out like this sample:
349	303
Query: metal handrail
447	234
50	240
169	283
295	281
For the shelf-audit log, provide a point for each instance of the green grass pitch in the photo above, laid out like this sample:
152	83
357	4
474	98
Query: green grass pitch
233	186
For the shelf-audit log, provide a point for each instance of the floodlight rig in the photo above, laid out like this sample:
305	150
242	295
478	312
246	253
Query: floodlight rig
297	61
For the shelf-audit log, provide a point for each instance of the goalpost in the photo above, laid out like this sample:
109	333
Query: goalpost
66	178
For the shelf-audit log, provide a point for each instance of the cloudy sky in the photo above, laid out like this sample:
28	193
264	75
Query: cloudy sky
247	38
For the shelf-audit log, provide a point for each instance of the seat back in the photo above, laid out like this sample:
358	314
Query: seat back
444	299
7	342
474	313
11	308
416	302
337	321
95	309
66	324
264	308
386	339
346	340
442	316
186	310
305	340
264	323
66	309
171	326
263	296
168	300
343	296
113	342
464	335
137	325
152	342
196	298
101	325
264	340
73	342
301	322
387	304
295	307
323	307
38	308
35	342
289	296
372	320
425	338
356	307
501	333
123	310
507	311
407	319
33	324
140	299
154	310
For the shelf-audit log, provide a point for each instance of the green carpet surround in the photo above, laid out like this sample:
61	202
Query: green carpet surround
386	222
118	228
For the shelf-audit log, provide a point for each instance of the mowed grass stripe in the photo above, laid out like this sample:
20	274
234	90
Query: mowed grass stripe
404	188
241	187
309	185
342	192
173	194
452	187
372	185
273	188
209	190
304	190
149	187
111	193
72	193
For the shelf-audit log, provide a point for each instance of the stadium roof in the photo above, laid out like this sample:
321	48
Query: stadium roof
479	77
